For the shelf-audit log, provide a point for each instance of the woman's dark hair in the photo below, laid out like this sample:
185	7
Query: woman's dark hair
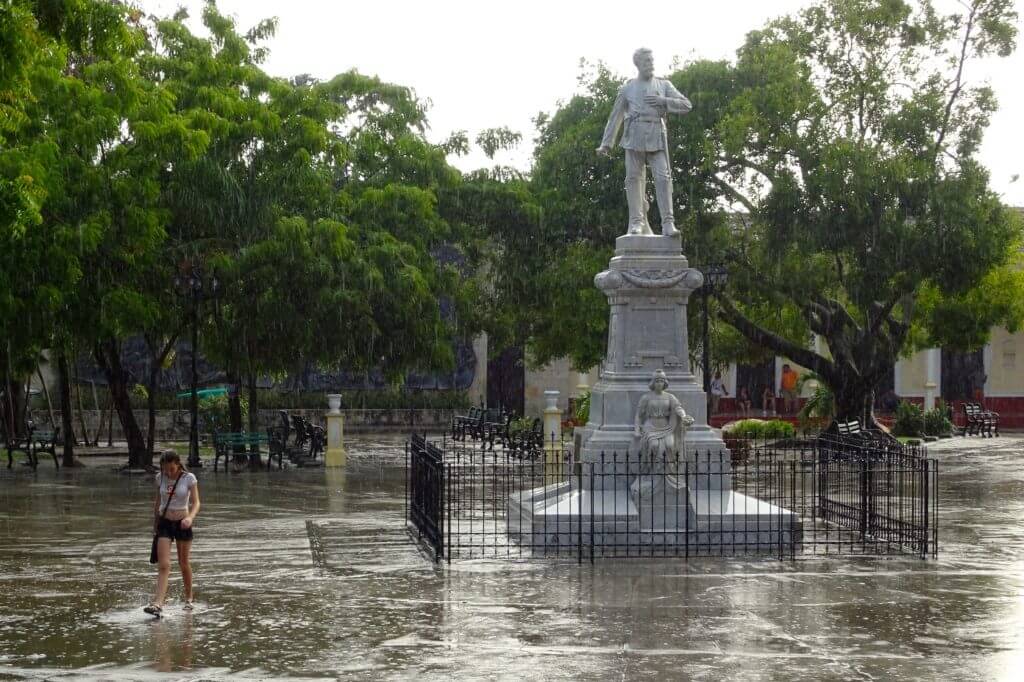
171	457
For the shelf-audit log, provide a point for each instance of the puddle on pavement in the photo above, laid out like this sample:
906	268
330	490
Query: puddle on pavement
307	573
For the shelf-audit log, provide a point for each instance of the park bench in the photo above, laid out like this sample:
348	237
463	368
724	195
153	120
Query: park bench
15	443
497	429
243	444
528	443
463	424
31	444
978	421
277	440
851	440
298	439
43	441
488	425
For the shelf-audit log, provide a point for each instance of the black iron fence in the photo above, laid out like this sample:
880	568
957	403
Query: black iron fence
790	499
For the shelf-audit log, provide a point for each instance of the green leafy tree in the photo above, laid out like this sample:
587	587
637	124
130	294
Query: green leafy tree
851	141
842	144
314	202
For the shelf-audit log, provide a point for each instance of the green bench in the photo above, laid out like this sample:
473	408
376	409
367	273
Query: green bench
44	441
248	444
34	442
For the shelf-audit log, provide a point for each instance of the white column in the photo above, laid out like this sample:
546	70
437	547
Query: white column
552	435
335	454
582	384
933	376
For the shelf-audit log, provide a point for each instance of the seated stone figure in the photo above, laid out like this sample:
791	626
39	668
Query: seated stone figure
659	430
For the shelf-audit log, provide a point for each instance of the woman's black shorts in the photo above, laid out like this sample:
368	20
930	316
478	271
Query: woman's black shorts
166	528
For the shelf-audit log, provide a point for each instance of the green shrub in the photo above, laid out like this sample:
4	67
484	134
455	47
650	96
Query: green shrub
909	420
820	407
215	413
759	428
520	426
936	423
582	409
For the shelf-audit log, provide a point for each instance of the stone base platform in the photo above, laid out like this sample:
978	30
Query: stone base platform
711	522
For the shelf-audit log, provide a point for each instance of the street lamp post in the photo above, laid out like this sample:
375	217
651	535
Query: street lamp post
189	283
715	277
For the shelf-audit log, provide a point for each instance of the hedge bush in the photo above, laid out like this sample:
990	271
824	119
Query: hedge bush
760	428
909	420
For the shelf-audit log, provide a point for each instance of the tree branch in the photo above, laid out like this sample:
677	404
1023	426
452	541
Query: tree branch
747	163
958	81
733	193
756	334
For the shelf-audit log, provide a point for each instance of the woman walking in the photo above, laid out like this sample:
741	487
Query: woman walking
175	508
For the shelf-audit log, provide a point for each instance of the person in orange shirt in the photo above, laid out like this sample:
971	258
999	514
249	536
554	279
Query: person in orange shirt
788	386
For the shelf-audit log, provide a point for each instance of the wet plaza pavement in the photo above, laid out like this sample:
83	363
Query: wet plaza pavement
310	574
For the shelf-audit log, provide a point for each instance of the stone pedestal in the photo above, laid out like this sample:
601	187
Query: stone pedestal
648	284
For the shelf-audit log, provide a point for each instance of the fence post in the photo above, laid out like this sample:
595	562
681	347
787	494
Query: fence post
579	515
552	428
863	498
446	513
924	504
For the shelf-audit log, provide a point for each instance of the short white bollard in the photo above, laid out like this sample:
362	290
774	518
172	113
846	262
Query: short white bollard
552	436
335	454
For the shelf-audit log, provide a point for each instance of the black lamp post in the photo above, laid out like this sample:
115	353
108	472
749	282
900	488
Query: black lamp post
715	277
190	283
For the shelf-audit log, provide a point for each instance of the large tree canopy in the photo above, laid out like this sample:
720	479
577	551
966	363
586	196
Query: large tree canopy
832	166
134	148
852	142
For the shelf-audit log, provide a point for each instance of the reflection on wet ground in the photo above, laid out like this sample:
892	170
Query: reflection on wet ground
309	573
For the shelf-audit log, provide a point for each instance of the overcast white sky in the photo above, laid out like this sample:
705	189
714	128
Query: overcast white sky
483	63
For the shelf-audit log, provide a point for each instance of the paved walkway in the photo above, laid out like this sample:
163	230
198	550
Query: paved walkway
309	573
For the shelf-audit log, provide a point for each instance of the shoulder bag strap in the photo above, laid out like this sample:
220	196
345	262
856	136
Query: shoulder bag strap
173	490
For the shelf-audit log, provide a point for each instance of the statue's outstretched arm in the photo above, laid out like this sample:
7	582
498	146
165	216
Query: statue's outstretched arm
611	129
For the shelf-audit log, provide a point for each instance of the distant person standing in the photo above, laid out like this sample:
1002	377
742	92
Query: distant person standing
788	385
718	391
174	510
768	401
743	401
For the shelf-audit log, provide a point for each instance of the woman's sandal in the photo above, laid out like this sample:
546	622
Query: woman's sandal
153	610
189	605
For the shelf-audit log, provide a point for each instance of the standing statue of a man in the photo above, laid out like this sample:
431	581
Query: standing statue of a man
642	104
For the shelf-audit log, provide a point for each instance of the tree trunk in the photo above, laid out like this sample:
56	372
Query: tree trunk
46	394
253	407
158	354
76	389
234	402
154	377
8	402
99	414
25	412
108	356
66	410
